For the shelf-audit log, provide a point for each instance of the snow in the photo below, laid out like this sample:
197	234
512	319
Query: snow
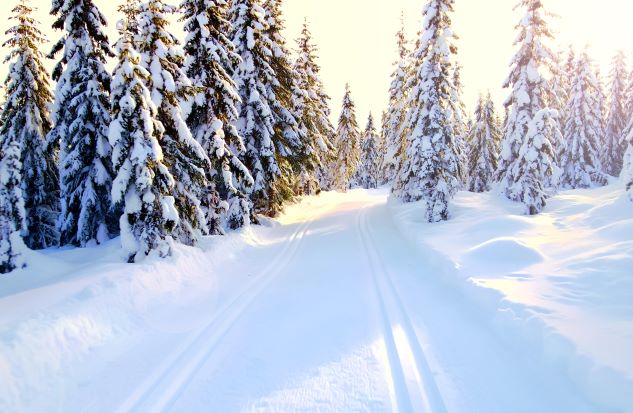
345	303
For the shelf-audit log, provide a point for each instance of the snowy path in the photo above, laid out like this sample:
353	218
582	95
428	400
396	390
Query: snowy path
347	317
337	313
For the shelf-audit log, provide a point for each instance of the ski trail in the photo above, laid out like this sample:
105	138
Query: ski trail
415	389
163	386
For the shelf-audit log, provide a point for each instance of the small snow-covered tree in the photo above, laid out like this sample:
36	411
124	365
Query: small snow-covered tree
143	185
312	110
483	146
369	167
81	115
459	125
211	58
580	161
169	87
529	92
534	163
430	168
395	127
12	214
347	145
25	119
612	153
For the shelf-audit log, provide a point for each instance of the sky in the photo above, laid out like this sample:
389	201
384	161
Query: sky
357	44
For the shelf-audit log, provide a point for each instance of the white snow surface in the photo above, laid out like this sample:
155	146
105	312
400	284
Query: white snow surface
346	303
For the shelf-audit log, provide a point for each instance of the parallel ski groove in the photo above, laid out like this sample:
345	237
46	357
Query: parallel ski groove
162	388
414	385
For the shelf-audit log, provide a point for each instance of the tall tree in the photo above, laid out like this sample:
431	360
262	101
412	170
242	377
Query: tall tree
612	153
312	109
483	142
459	125
430	168
26	120
395	127
369	167
580	163
211	58
268	127
12	214
143	185
528	97
169	87
81	115
347	145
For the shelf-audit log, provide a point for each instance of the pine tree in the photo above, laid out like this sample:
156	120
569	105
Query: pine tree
459	125
267	126
25	119
169	87
395	126
211	58
312	110
483	141
528	96
347	145
143	185
558	94
535	163
12	213
81	115
369	168
580	163
612	153
430	168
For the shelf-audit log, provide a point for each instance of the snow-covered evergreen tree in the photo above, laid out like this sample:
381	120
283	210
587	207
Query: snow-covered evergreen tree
369	167
615	145
312	109
580	163
535	163
25	119
169	87
211	58
459	125
430	167
269	129
483	144
12	213
395	127
528	96
143	185
81	115
347	145
558	93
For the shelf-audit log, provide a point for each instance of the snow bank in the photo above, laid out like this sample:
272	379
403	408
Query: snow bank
560	282
72	311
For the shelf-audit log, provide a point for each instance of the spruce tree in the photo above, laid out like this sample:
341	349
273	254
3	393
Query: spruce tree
347	145
459	125
528	97
269	129
430	167
483	141
395	127
81	115
211	58
612	153
534	164
580	163
12	213
312	110
26	120
169	87
369	167
143	185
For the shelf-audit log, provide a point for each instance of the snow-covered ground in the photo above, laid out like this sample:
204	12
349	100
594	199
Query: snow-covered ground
346	303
